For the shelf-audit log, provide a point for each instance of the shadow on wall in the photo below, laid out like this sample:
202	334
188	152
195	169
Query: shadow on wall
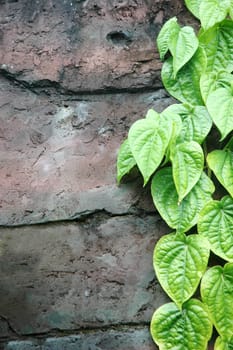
17	275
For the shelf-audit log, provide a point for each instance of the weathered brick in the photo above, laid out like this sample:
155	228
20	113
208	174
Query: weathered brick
138	339
58	160
73	276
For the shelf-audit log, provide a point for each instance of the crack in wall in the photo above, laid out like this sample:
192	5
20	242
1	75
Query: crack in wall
122	327
46	86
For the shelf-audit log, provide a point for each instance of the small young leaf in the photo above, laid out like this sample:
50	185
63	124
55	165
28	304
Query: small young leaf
196	122
193	6
220	107
180	217
212	12
152	114
179	263
216	292
221	344
165	34
216	224
221	162
186	86
182	45
186	329
125	160
218	44
148	140
211	81
187	165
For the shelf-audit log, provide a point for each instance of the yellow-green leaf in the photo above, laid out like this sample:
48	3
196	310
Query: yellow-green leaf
184	215
216	292
179	263
186	329
216	224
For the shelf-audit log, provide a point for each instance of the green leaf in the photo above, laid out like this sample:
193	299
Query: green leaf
125	160
186	329
218	44
220	107
152	114
186	86
193	6
182	45
179	263
180	217
187	165
196	122
210	81
212	12
221	344
148	140
216	292
165	34
221	162
216	224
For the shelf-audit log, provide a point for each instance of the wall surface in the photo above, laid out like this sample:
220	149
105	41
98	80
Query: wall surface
76	263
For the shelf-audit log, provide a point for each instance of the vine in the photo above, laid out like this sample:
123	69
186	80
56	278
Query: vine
172	151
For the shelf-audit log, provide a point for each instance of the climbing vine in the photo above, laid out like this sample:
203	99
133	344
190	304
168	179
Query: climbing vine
173	151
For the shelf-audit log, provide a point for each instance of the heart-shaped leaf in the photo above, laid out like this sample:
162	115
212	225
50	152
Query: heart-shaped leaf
185	215
216	224
218	44
186	329
216	292
221	162
125	160
211	81
221	344
148	140
193	6
212	12
187	165
182	44
186	86
220	107
164	36
179	263
196	122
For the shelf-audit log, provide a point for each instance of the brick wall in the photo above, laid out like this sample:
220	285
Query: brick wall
76	263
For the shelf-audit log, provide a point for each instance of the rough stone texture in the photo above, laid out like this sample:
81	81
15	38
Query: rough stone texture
58	154
76	249
84	45
73	276
131	340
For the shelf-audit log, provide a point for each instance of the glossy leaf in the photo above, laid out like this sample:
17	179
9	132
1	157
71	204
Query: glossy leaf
221	162
216	224
221	344
179	263
211	81
165	34
186	329
185	215
187	165
193	6
148	140
216	292
186	86
196	122
212	12
218	44
125	160
182	45
220	107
